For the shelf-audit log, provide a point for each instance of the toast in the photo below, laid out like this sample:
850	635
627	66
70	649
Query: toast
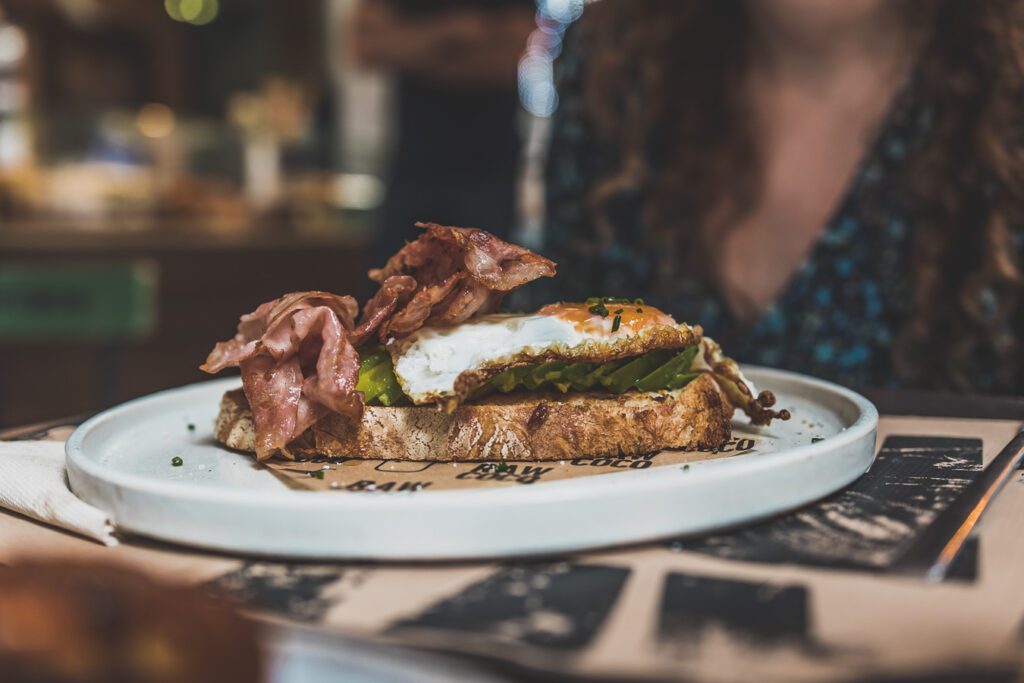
517	426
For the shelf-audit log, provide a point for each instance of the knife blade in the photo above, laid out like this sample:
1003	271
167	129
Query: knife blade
933	551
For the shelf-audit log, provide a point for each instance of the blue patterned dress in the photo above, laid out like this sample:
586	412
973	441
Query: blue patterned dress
837	316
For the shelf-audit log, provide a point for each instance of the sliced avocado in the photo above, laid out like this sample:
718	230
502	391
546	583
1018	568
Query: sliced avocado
372	355
480	391
505	381
392	393
368	361
545	372
374	381
682	379
663	374
628	375
572	374
594	377
522	371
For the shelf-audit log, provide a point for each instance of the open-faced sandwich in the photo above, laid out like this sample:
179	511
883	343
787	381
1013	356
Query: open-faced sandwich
430	371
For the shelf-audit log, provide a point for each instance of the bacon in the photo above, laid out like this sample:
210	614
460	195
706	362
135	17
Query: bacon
298	363
395	291
468	299
459	272
413	315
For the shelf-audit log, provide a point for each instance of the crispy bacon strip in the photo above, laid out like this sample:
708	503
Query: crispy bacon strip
459	272
395	291
298	362
411	317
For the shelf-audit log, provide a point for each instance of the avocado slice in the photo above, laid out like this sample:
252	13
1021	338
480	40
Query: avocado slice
628	375
660	377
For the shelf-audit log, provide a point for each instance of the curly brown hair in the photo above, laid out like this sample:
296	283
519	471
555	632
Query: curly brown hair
683	61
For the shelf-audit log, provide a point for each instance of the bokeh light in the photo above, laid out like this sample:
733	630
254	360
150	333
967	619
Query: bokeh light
537	91
12	44
155	120
195	12
563	11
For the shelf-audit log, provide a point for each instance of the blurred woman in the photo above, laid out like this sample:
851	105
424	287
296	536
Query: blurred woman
831	186
456	155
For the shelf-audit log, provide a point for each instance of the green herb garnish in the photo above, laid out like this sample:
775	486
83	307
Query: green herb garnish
319	474
599	309
177	462
502	466
616	322
638	301
639	310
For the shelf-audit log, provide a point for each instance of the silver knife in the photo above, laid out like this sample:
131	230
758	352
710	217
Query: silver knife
933	551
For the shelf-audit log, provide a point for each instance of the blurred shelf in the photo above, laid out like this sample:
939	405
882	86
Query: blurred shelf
184	235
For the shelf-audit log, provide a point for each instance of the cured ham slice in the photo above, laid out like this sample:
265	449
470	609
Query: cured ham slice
298	363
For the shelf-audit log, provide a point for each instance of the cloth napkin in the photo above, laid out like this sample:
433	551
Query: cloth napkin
33	483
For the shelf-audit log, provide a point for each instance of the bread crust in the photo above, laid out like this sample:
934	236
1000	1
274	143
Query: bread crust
517	426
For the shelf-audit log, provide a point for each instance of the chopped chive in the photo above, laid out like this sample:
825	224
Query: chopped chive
177	462
502	466
639	310
599	309
616	322
638	301
319	474
618	311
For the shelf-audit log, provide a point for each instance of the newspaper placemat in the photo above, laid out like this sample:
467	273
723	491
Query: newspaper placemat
802	597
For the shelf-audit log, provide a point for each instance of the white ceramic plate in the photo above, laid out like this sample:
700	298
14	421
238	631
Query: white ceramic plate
120	461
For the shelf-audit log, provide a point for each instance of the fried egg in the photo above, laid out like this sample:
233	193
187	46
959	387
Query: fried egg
429	363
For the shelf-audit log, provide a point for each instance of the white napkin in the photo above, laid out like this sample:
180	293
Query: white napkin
33	483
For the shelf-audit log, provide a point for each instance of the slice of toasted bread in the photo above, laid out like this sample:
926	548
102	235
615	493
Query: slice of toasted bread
518	426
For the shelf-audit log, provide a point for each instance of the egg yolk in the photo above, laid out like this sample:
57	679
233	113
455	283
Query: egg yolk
588	318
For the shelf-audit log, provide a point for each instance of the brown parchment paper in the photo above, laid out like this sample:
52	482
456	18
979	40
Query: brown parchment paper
397	476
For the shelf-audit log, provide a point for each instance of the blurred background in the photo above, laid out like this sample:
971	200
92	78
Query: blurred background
166	166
